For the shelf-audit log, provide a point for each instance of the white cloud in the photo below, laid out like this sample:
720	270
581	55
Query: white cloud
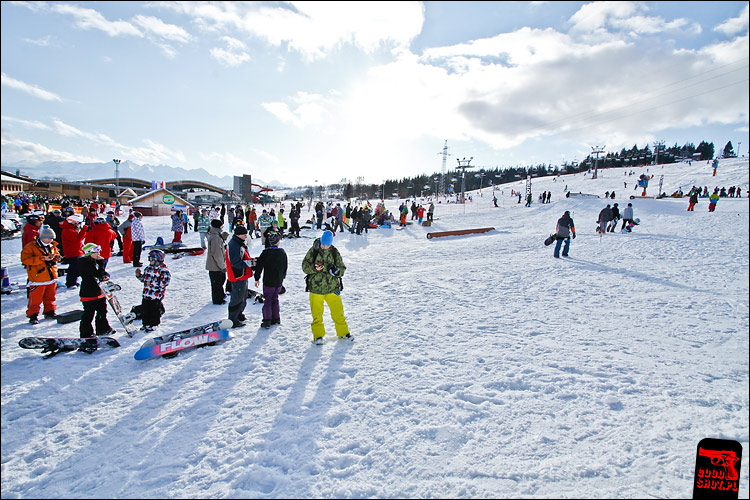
309	109
736	24
26	123
161	29
14	149
91	19
594	18
46	41
313	28
29	89
234	55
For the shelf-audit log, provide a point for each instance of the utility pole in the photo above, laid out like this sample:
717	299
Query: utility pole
117	178
442	172
596	150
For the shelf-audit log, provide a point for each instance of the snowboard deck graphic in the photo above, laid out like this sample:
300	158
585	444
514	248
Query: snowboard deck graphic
177	343
108	289
150	348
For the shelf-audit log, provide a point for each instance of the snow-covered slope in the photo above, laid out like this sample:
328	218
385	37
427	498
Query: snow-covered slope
482	366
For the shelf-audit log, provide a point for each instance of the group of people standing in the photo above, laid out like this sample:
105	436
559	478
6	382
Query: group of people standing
229	263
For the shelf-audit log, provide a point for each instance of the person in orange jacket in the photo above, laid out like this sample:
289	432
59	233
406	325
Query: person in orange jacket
40	257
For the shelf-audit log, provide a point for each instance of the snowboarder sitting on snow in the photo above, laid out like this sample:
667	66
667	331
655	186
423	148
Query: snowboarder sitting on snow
91	267
565	229
40	257
272	264
324	268
155	278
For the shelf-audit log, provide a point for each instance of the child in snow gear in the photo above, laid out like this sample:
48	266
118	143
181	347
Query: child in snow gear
40	257
627	219
565	229
272	264
91	266
155	278
713	199
324	268
239	269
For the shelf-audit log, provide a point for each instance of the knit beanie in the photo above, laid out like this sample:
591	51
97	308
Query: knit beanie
47	232
327	238
216	223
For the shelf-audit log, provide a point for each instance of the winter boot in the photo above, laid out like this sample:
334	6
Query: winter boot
33	319
50	315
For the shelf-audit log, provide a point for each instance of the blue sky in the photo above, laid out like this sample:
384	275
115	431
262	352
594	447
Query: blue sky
300	92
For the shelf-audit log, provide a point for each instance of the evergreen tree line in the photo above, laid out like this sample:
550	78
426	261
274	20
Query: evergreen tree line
426	185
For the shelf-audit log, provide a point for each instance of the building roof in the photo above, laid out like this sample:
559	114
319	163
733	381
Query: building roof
158	197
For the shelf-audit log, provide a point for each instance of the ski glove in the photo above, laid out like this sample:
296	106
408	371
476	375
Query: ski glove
333	270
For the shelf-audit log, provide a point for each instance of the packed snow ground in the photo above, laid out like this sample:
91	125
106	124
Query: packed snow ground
482	366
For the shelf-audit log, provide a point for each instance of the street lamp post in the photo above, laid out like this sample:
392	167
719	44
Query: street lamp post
117	178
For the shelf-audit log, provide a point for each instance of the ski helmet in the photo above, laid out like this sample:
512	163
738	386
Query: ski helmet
90	248
99	220
75	219
156	255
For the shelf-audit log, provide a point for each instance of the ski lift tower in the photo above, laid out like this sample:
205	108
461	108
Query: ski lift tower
463	165
596	150
442	172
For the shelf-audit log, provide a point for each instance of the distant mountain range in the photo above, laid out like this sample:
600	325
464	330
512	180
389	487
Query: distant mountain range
75	171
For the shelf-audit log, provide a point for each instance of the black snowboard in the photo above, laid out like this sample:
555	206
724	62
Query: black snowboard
54	345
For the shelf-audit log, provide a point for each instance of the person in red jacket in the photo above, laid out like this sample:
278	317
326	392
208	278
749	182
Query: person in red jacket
103	235
127	240
31	228
73	234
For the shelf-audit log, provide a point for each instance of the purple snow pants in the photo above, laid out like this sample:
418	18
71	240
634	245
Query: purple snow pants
271	302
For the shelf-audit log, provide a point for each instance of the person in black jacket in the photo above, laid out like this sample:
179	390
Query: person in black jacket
615	218
272	264
564	231
91	268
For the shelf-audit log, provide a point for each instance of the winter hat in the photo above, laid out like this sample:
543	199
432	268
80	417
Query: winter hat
90	248
47	232
327	238
239	229
216	223
273	239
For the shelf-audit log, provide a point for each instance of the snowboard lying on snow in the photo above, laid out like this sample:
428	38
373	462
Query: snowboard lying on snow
170	344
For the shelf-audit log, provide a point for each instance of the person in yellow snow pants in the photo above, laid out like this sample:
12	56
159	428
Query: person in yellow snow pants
337	314
324	267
